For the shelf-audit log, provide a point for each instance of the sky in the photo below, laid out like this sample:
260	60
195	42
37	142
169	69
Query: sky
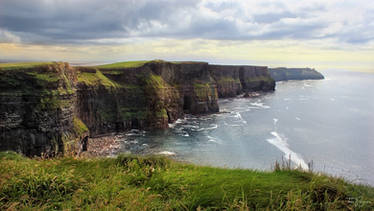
324	34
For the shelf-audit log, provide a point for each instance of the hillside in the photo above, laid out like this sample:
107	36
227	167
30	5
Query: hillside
157	183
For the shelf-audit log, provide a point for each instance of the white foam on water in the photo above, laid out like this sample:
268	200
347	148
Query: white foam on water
212	127
191	126
234	125
239	116
185	134
172	125
297	118
275	120
282	145
307	85
260	105
166	153
214	140
178	121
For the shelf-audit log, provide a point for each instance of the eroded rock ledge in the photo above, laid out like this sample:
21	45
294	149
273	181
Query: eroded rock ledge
52	108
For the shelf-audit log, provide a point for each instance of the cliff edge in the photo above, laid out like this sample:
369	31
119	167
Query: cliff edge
285	74
52	108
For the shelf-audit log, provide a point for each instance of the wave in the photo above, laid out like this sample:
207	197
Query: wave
275	120
178	121
214	140
167	153
213	127
307	85
260	105
239	116
282	145
185	134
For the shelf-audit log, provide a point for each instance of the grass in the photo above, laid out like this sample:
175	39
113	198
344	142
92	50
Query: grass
79	126
118	65
24	65
157	183
97	78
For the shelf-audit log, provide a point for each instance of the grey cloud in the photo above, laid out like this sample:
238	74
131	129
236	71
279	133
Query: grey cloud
82	22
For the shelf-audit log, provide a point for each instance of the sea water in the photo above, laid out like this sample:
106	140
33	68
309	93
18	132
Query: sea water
329	123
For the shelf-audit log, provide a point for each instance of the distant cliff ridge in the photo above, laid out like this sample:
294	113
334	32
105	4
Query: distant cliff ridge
51	108
284	74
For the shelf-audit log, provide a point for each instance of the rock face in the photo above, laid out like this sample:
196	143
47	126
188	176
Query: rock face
53	108
37	109
285	74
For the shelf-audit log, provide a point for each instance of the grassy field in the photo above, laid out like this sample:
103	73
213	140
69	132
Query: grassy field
24	65
129	64
157	183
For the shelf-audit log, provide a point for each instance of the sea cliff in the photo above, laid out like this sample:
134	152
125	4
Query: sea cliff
285	74
51	108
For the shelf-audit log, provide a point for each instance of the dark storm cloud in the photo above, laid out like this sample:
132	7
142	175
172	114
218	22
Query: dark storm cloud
89	21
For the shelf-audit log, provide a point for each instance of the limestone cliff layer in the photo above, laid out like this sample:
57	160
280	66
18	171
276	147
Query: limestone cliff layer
50	108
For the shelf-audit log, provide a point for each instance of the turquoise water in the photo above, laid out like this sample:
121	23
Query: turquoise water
328	122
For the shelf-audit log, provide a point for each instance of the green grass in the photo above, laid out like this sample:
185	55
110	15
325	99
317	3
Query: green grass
25	65
79	126
118	65
154	81
97	78
157	183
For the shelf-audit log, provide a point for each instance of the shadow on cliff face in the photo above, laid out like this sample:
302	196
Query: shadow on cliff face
58	104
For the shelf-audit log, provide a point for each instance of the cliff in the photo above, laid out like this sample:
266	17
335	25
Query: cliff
37	108
52	108
285	74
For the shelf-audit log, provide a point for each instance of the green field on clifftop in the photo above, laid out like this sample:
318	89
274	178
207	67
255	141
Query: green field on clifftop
23	65
157	183
128	64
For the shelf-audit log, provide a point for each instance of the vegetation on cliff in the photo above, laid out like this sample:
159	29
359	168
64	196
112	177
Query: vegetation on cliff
79	127
24	65
157	183
118	65
95	78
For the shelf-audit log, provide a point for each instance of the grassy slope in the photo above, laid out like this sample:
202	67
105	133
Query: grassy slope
135	64
24	65
137	183
129	64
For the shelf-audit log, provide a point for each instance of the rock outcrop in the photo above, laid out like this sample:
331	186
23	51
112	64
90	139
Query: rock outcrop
37	108
285	74
233	80
52	108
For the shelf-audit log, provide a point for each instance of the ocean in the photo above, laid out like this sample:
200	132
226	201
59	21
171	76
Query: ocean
326	125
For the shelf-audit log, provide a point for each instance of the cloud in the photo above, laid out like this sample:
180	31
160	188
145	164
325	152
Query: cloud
7	37
114	21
